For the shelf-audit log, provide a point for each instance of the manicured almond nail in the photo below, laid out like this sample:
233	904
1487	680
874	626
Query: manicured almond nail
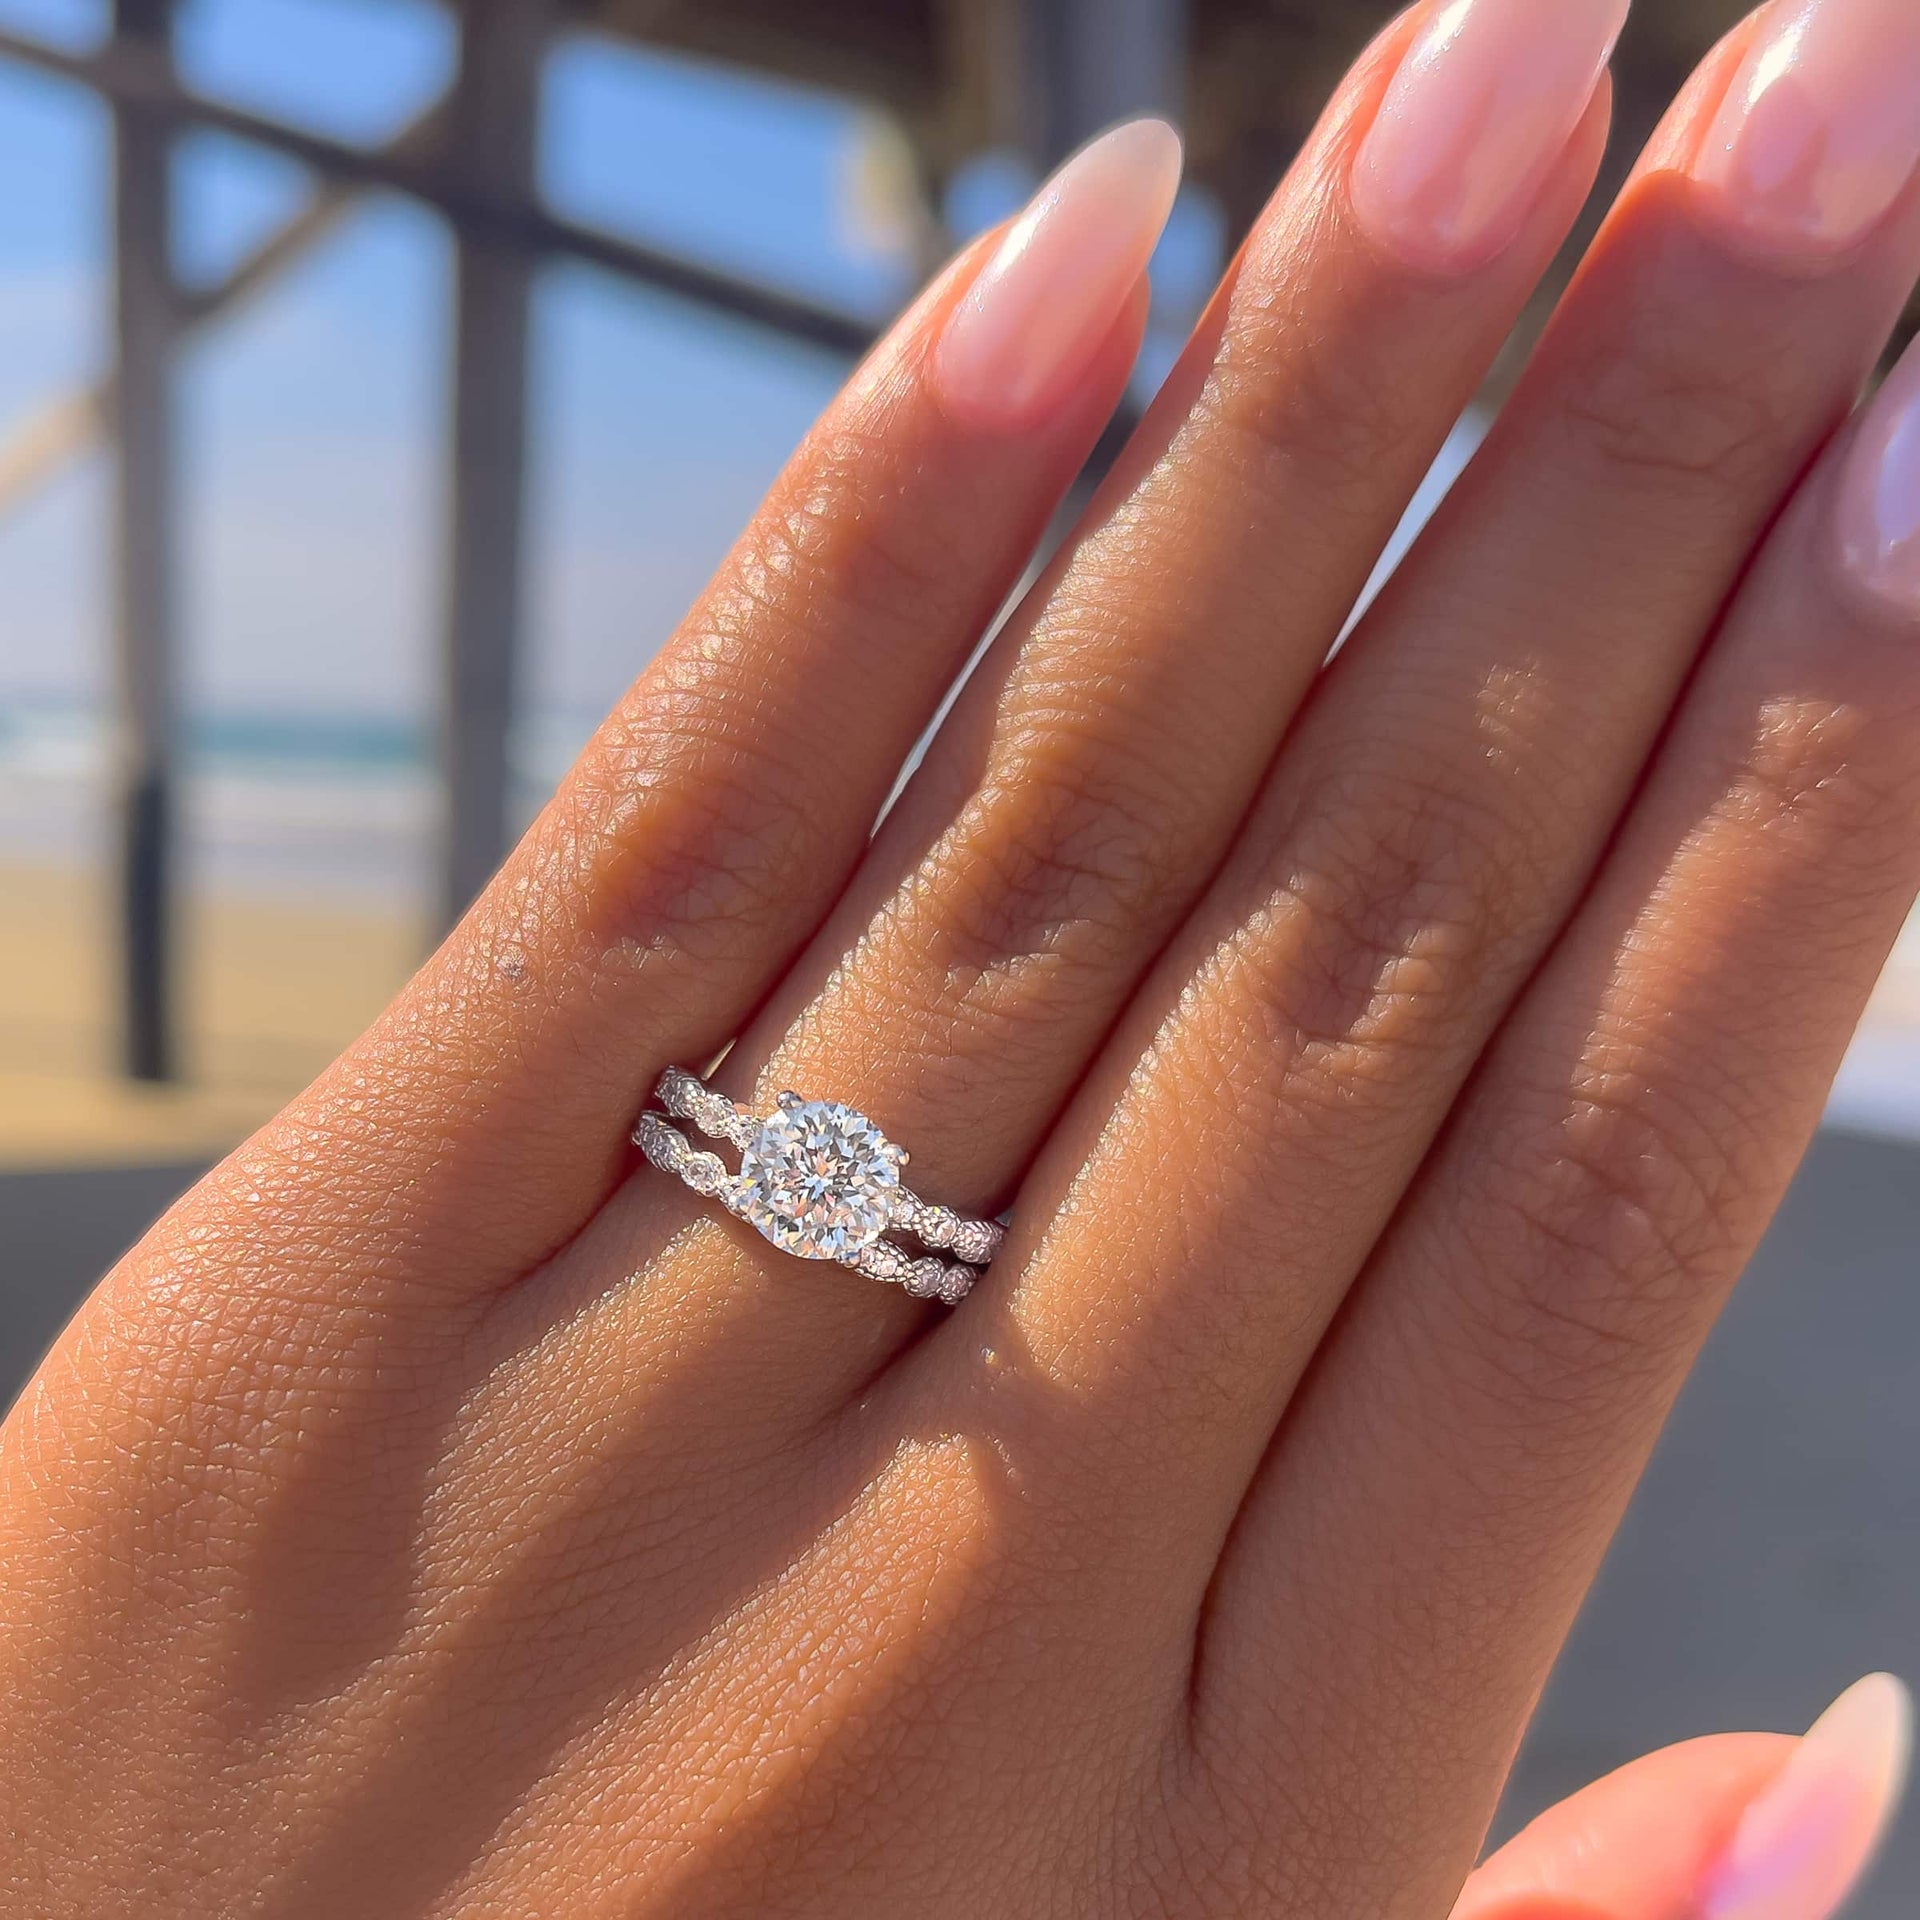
1484	104
1877	508
1802	1846
1059	280
1820	130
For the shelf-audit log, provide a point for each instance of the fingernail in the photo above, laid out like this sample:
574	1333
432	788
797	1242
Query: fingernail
1820	129
1801	1847
1059	280
1878	503
1484	104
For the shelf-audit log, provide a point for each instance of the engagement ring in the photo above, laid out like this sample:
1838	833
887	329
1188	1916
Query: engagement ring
820	1181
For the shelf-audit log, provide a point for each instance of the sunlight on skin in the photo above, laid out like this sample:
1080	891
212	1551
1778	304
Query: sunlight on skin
438	1514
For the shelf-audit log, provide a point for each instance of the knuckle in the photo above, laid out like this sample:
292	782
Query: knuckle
834	548
1672	405
728	871
698	804
1282	401
1398	890
1610	1232
1072	864
691	837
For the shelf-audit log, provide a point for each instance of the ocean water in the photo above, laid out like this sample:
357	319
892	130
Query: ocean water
275	806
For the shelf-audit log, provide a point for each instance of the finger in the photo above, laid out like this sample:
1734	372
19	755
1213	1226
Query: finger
1640	1844
1431	822
1738	1826
1497	1380
713	819
1099	762
1076	802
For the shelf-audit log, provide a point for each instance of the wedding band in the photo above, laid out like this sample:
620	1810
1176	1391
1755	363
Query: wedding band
821	1182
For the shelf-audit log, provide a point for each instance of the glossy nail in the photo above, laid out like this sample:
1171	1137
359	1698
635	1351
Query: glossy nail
1483	106
1820	130
1801	1847
1059	280
1877	508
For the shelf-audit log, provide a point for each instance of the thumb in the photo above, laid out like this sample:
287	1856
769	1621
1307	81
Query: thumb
1738	1826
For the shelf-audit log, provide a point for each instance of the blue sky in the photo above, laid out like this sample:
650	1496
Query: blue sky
311	418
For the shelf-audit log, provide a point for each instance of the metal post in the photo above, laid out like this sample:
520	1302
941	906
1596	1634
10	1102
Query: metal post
493	114
1091	62
144	571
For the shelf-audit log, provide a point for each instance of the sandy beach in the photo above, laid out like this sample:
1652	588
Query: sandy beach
270	992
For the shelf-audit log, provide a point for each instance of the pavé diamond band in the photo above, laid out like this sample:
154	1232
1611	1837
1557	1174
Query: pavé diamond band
820	1181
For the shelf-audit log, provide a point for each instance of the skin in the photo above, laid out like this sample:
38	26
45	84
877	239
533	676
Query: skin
1390	1068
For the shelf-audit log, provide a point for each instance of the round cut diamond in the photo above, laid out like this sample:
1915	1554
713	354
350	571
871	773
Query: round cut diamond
819	1179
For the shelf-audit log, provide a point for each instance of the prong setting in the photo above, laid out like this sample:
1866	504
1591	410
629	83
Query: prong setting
819	1180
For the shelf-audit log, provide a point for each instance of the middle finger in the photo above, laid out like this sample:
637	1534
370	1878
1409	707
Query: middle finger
1434	818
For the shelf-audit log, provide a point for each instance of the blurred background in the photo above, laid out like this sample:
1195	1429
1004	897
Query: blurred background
379	379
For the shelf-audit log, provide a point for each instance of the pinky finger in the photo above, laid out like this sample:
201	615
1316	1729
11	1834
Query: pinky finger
1739	1826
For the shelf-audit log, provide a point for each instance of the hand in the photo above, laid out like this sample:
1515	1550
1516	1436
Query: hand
1388	1068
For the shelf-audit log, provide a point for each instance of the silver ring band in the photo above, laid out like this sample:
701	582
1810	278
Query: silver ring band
820	1181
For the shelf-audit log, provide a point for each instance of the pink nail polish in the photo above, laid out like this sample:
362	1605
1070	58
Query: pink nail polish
1820	129
1059	280
1877	508
1484	103
1801	1847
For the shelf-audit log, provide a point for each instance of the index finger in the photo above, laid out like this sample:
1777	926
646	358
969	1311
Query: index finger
711	822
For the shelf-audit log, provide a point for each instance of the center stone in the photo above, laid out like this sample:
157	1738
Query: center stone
819	1179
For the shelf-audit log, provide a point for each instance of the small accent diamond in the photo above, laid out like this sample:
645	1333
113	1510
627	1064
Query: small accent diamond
925	1279
976	1240
704	1172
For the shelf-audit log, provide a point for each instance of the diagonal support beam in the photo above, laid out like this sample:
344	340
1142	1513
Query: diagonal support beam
70	425
74	423
132	74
